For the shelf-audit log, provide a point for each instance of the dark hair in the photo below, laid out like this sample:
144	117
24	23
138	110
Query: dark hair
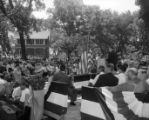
102	68
111	66
10	69
142	64
62	67
45	74
122	67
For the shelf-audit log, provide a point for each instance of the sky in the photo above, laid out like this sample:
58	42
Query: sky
114	5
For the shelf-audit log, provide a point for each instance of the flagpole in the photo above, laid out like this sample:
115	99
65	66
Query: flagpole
88	46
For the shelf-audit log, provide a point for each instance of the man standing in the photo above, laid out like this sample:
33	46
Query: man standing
107	79
61	77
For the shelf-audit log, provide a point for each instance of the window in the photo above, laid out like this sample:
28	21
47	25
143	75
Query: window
37	41
30	41
46	41
27	41
41	42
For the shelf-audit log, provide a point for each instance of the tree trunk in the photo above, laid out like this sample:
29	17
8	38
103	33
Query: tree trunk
22	43
68	61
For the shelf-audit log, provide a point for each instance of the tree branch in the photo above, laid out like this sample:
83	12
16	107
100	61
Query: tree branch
30	5
2	7
11	4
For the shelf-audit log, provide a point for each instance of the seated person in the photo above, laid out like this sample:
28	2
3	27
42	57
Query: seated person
142	71
107	79
147	81
2	87
143	85
101	71
9	75
20	92
132	84
122	76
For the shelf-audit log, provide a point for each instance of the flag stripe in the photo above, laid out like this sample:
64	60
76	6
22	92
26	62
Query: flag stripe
92	108
89	94
79	85
89	117
125	111
142	97
84	62
93	94
57	88
54	108
80	78
125	105
58	99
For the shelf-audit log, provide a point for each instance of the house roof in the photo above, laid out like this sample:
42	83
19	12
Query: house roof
40	35
37	35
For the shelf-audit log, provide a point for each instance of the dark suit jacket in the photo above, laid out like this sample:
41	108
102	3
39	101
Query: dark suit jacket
62	78
106	80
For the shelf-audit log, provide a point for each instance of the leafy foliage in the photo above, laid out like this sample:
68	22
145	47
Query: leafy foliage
19	13
144	28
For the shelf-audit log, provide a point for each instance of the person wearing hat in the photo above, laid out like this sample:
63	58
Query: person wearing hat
63	78
39	68
17	74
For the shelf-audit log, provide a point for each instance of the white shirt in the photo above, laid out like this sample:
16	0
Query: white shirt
24	93
16	93
20	94
2	81
147	81
2	86
122	78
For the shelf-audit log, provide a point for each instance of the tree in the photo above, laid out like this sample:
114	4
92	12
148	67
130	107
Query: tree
66	15
110	29
19	13
144	11
144	29
66	21
4	41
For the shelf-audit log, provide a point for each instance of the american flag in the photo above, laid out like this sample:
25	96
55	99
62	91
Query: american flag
86	61
106	105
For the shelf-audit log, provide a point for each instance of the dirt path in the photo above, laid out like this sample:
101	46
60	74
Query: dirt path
73	112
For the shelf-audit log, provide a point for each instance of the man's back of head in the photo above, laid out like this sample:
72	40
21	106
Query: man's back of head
109	68
62	67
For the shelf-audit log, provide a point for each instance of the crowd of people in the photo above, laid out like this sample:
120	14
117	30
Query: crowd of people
128	77
14	81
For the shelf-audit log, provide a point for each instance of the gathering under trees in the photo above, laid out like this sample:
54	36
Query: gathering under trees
76	27
19	14
103	28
